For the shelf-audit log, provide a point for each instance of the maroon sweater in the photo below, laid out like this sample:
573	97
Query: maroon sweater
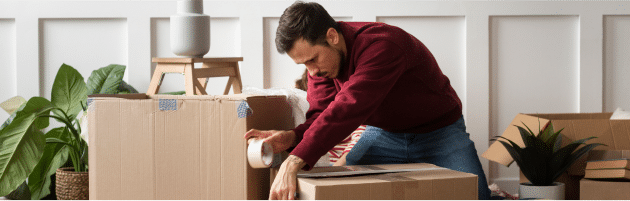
390	80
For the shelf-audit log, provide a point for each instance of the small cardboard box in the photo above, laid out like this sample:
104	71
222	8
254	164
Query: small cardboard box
179	147
614	133
604	190
429	183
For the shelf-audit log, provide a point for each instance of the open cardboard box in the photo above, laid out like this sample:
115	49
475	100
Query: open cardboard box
614	133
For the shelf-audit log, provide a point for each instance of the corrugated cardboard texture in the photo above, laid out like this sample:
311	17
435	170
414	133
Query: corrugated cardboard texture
179	147
418	185
604	190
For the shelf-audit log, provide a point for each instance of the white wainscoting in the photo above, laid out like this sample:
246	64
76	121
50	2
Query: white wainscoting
503	57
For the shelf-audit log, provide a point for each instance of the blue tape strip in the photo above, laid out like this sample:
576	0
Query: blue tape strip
89	101
167	104
243	110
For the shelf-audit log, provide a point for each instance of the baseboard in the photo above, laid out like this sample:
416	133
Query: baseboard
509	185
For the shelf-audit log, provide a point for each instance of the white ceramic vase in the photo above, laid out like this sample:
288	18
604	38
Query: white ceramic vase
190	29
553	192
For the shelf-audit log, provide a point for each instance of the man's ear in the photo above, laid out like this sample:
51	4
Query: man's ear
332	36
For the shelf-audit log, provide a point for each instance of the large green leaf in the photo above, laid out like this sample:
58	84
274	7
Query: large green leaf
33	105
55	155
106	80
68	91
21	148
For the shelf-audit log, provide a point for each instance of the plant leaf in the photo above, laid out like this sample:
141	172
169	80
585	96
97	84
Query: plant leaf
526	136
55	155
175	93
36	104
13	115
106	80
68	91
126	88
560	157
574	157
558	143
21	148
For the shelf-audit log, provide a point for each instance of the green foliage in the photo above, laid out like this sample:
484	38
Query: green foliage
108	80
25	151
543	160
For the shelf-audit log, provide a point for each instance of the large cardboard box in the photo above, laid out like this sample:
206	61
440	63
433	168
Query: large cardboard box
179	147
604	190
614	133
429	183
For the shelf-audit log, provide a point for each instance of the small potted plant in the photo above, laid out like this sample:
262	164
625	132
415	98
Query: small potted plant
543	160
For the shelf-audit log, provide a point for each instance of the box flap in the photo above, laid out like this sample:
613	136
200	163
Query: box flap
497	152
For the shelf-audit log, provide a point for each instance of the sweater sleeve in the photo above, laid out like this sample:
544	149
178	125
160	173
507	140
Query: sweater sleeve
378	67
321	91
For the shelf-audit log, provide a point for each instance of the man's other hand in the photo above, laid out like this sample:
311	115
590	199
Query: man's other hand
285	184
279	140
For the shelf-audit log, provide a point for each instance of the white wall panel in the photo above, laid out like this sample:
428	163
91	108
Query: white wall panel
616	63
85	44
510	56
279	69
445	36
8	85
534	68
225	41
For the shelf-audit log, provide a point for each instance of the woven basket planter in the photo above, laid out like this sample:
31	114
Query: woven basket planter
72	185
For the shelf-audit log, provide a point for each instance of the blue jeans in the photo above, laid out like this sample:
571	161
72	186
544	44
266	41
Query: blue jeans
448	147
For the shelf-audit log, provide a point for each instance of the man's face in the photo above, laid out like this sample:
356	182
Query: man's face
320	60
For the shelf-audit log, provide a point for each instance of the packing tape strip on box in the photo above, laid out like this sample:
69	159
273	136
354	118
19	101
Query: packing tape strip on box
259	154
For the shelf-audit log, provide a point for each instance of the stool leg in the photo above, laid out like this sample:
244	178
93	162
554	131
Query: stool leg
154	86
237	84
229	84
199	89
188	76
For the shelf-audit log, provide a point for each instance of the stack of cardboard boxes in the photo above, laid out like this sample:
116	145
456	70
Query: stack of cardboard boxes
606	176
614	133
192	147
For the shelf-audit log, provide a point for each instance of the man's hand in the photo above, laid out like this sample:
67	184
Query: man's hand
342	160
285	184
279	140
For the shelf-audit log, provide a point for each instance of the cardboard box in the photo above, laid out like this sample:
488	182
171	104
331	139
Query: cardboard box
614	133
179	147
622	163
432	183
604	190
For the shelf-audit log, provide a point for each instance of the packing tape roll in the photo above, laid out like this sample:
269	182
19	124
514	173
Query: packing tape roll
259	154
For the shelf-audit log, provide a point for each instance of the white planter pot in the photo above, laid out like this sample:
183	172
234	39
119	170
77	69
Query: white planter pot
190	29
554	192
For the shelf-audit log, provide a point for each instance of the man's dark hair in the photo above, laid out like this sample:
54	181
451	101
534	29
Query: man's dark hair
303	20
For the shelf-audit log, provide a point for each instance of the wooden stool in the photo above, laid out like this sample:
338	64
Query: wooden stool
196	77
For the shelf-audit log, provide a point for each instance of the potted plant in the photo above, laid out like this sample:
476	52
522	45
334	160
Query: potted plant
29	153
543	160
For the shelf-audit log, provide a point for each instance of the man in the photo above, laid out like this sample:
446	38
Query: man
374	74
